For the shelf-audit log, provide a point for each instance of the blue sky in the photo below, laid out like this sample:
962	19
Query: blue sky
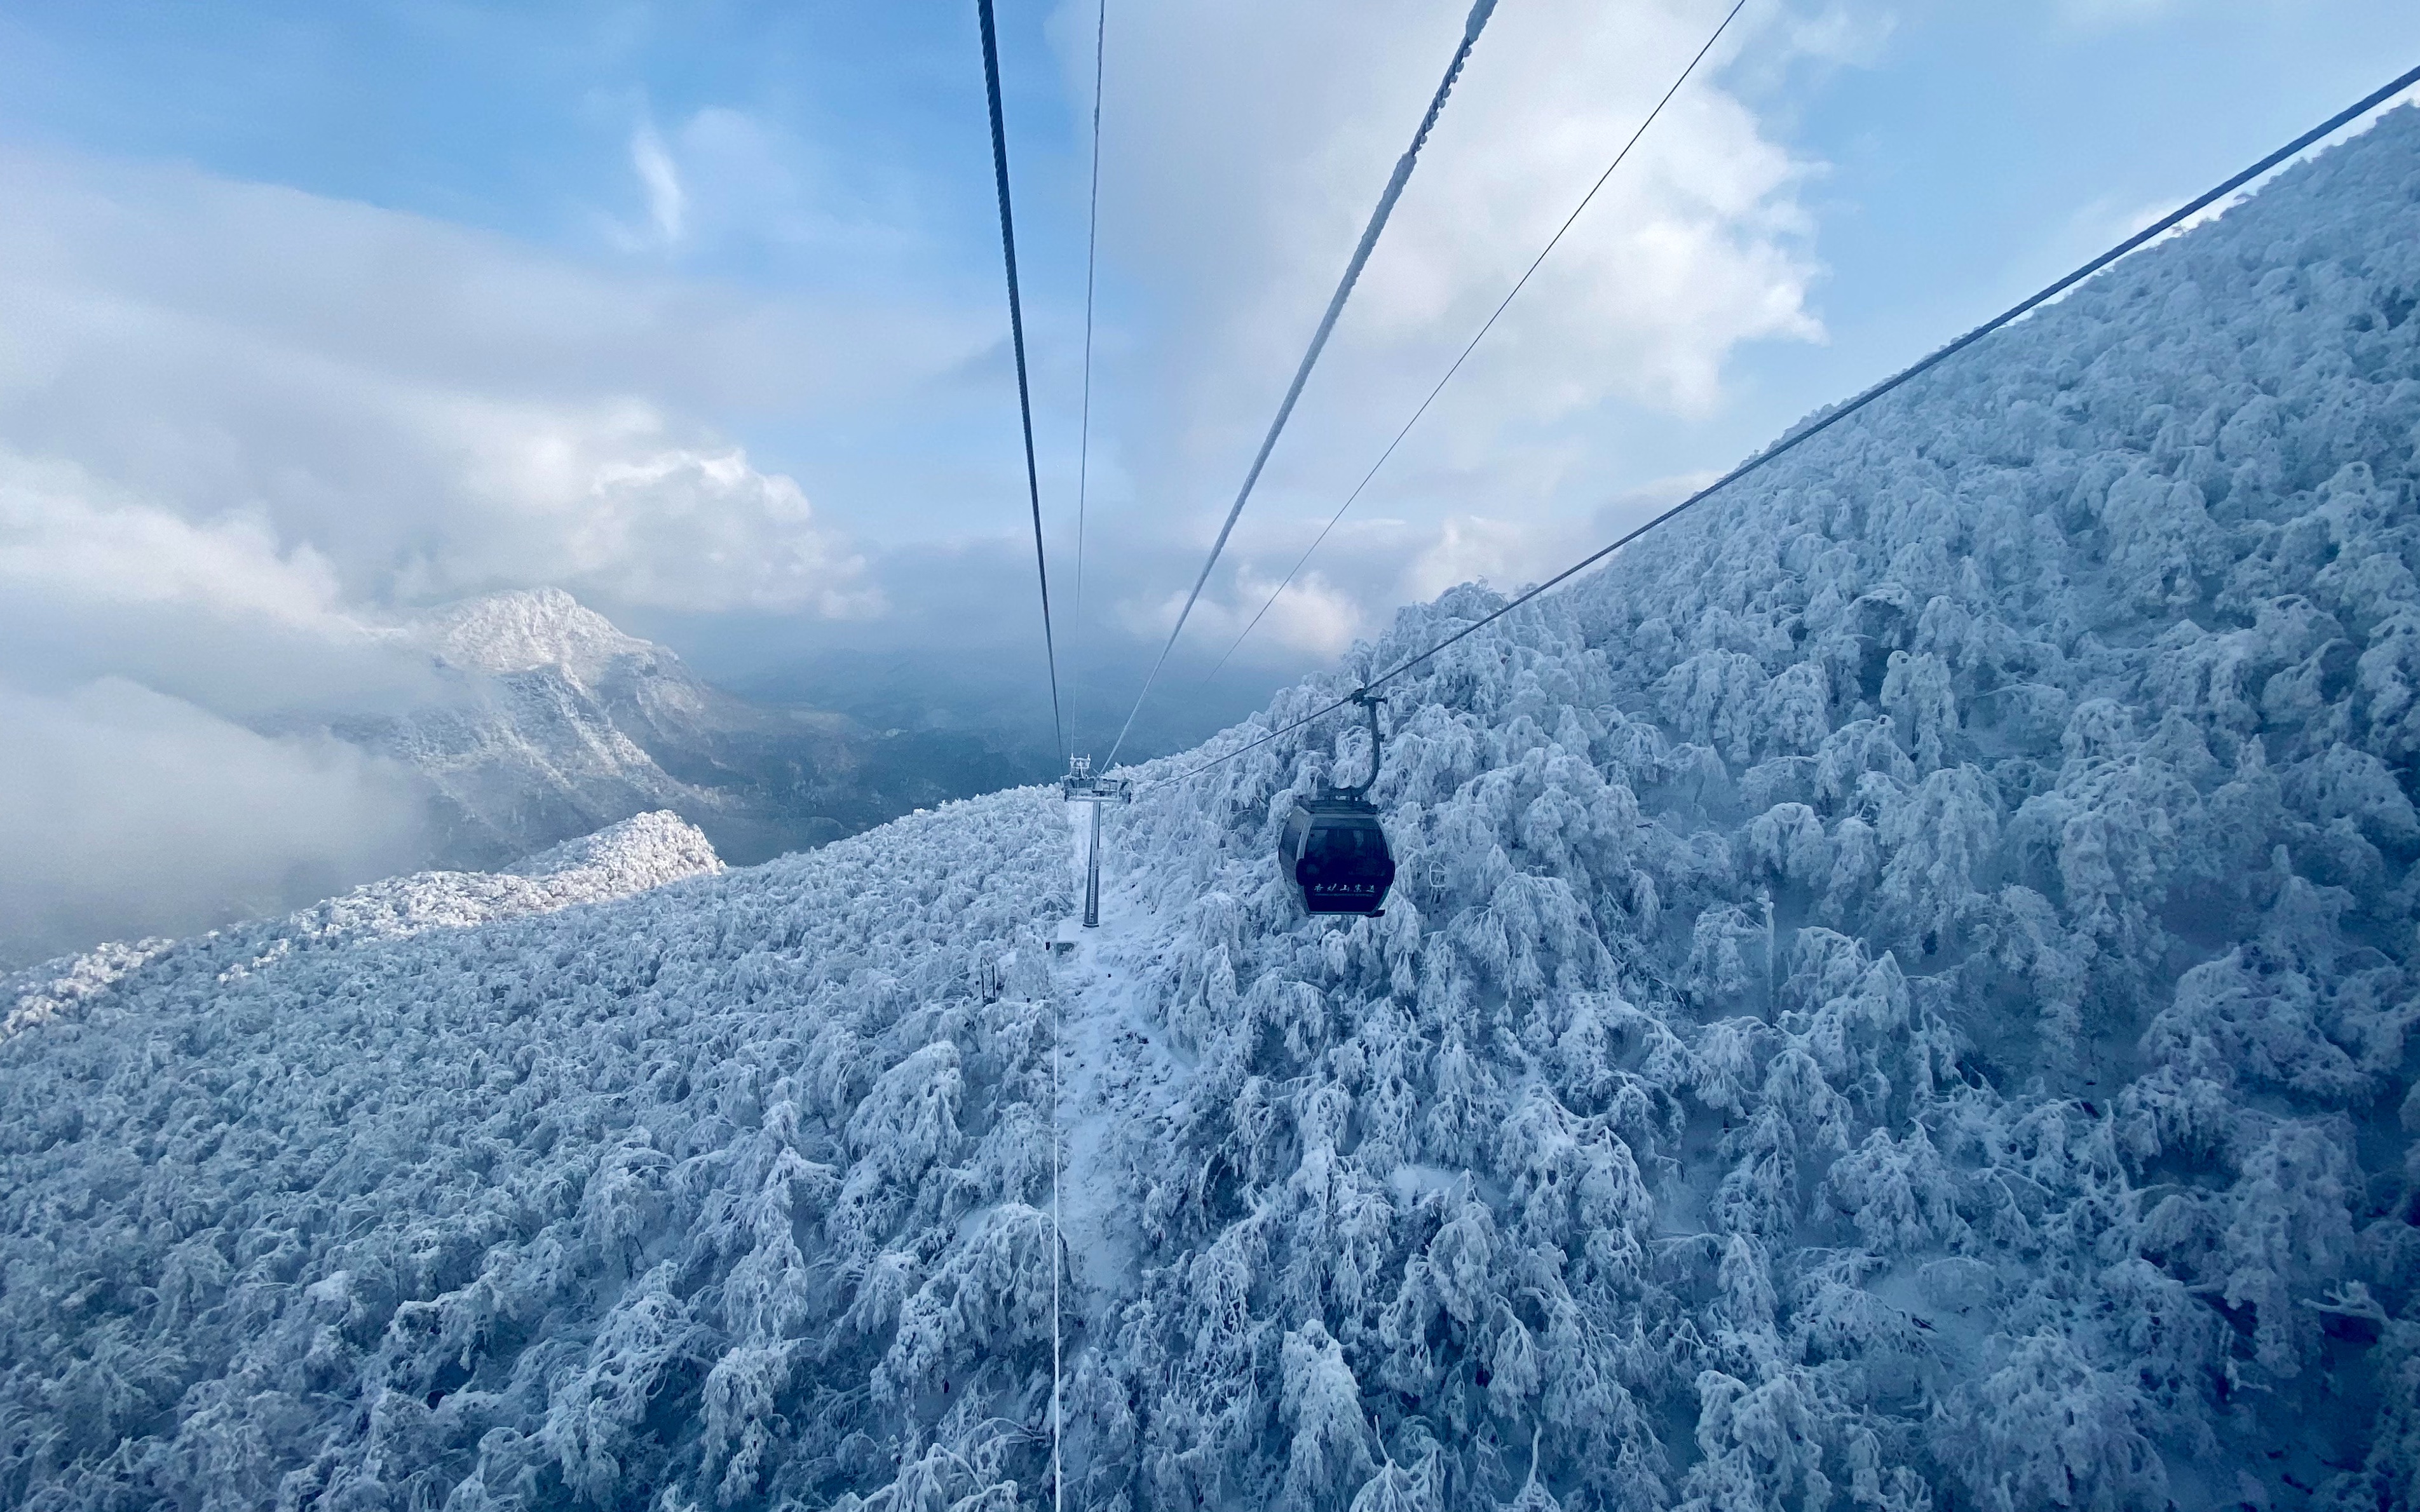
696	310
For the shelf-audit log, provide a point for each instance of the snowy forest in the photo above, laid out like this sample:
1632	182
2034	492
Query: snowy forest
1897	997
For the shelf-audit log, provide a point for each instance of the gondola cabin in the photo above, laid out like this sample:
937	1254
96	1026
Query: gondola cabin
1335	852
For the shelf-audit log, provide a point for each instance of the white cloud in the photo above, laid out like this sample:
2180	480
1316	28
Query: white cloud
125	813
605	500
1245	156
1245	144
243	429
1502	553
66	536
750	187
1373	564
94	581
1695	246
414	408
667	206
1311	616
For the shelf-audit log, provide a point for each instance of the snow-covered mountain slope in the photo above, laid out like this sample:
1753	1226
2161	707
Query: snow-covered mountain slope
521	631
645	851
1899	997
558	722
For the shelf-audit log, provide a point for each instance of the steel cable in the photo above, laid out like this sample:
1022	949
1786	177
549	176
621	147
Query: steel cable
1535	263
1796	439
1091	261
1472	25
1016	336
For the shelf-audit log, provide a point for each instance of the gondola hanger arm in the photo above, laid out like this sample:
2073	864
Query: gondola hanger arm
1368	703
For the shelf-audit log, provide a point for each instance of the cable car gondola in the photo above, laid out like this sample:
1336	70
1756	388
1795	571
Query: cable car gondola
1334	850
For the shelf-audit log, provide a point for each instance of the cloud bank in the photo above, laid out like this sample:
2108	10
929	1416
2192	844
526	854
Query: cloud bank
127	812
433	413
244	430
1696	246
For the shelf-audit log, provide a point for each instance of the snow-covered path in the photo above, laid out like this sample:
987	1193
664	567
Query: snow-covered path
1122	1073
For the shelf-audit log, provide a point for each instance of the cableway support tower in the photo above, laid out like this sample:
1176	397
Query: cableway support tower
1081	786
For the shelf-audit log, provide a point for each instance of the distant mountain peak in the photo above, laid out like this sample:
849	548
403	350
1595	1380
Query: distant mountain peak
522	629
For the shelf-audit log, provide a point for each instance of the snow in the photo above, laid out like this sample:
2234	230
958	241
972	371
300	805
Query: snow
645	851
524	630
642	852
1899	996
542	721
42	992
538	735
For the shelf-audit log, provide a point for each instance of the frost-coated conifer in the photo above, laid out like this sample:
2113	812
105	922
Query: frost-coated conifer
1897	997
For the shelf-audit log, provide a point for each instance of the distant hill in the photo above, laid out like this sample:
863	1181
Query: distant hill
556	723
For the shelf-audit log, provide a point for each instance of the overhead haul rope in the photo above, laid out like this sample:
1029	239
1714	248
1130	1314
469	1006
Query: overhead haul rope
1473	346
1471	27
1057	1412
1017	335
1091	261
1042	570
1791	443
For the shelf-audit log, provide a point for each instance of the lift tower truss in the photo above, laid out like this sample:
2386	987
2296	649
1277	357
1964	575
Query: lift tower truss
1080	786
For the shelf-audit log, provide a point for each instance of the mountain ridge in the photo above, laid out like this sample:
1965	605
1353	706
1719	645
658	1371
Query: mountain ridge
519	630
553	722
